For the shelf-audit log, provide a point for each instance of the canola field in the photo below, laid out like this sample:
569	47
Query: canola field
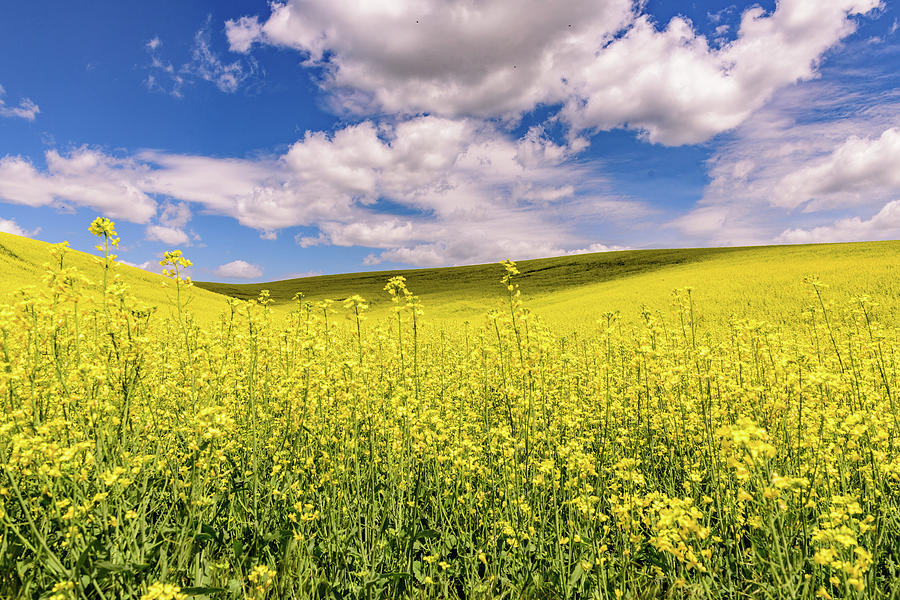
312	452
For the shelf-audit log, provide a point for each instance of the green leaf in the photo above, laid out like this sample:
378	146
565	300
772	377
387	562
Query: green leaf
202	591
576	575
394	576
111	567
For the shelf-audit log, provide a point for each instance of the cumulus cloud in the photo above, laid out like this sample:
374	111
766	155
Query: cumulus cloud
239	269
426	190
172	220
453	59
473	190
86	177
884	225
25	110
10	226
243	33
851	172
675	89
819	149
608	65
167	235
467	189
119	188
175	214
255	192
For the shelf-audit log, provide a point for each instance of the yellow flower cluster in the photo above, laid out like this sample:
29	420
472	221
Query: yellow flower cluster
837	540
164	591
656	454
261	578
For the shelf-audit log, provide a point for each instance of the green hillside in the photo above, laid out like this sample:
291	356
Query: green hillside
765	283
540	276
581	288
22	264
574	290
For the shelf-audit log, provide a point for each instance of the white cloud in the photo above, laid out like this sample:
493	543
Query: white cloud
172	220
884	225
119	188
10	226
676	89
239	269
25	110
377	234
467	249
175	214
167	235
208	65
819	146
598	247
453	59
608	64
243	33
855	169
467	189
204	64
147	265
300	274
427	190
255	192
475	194
111	186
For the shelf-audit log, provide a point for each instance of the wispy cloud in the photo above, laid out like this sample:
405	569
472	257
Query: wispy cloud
163	76
26	108
205	64
884	225
10	226
819	158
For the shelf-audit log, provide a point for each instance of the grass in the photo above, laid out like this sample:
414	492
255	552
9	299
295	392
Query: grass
740	439
542	276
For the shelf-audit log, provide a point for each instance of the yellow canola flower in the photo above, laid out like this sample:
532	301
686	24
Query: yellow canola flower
674	440
164	591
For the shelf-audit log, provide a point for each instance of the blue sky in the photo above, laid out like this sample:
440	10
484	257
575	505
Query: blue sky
276	140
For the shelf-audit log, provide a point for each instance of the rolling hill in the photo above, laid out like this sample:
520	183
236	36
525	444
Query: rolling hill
581	288
22	264
574	289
